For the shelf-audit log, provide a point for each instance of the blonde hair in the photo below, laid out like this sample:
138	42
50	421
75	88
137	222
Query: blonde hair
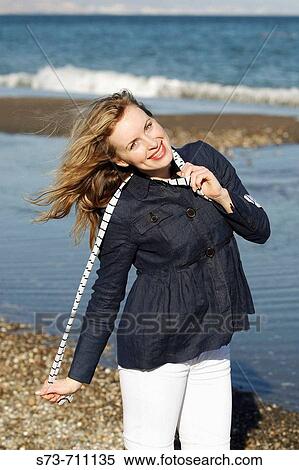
87	175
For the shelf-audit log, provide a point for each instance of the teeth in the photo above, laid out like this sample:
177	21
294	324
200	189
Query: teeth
157	154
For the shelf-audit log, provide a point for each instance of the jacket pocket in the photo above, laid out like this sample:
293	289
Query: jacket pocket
147	229
151	218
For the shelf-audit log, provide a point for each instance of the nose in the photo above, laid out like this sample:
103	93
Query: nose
152	142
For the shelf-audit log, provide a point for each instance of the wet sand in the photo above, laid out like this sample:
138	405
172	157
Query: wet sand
94	419
51	116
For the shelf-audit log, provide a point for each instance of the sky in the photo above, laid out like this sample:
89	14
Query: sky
174	7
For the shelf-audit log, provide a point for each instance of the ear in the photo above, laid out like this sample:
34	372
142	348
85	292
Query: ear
121	163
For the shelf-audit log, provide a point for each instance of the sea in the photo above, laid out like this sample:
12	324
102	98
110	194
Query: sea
252	60
174	64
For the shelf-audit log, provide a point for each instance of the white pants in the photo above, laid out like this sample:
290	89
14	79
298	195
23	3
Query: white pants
194	396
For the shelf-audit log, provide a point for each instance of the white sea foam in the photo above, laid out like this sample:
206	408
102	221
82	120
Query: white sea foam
81	80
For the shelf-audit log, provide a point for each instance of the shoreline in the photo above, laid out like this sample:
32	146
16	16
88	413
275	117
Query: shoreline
94	419
53	117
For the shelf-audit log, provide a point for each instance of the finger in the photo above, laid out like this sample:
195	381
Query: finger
55	395
44	389
193	181
183	168
42	393
50	388
47	399
53	400
188	168
196	181
48	396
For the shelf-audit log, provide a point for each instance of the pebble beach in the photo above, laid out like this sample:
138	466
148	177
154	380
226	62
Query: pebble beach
94	418
53	117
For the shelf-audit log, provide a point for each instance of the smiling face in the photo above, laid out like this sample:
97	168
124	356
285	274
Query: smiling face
140	141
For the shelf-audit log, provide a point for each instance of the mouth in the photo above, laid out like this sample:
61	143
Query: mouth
160	153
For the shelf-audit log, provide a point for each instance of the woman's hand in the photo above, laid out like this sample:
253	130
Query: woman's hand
61	387
202	177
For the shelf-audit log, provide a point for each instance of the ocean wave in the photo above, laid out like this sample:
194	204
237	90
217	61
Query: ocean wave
81	80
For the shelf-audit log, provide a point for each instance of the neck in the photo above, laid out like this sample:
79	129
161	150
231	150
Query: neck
166	173
162	175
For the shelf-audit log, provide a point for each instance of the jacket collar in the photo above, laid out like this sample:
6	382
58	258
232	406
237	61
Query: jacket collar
139	184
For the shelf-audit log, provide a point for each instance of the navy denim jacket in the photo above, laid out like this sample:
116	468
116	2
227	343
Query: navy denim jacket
190	294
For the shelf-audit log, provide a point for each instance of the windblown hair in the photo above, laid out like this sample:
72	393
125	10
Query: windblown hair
87	175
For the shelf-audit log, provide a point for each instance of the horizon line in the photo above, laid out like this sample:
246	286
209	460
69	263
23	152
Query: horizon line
147	14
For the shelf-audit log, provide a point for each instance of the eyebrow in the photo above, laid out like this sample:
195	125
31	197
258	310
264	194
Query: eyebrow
137	137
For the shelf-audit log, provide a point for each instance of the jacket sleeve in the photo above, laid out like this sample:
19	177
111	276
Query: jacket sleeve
116	256
248	219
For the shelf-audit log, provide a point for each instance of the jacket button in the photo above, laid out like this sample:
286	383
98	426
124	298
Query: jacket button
210	252
191	212
154	217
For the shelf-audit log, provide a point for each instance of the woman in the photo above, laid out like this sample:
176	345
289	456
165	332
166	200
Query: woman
190	294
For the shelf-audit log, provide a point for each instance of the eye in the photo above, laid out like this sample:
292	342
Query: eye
147	126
